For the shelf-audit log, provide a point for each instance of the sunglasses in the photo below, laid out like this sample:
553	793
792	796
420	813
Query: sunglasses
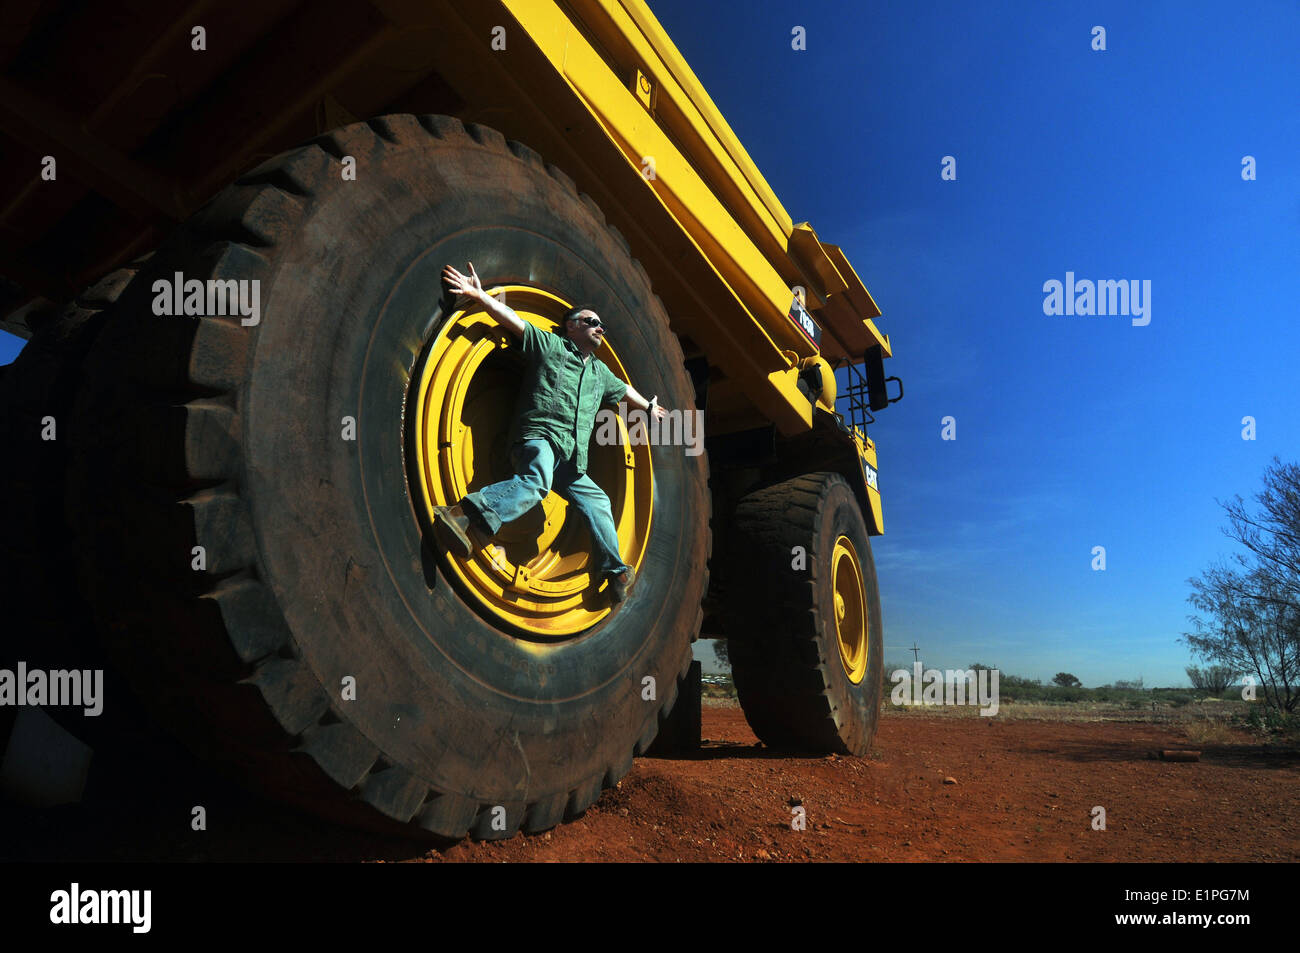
589	322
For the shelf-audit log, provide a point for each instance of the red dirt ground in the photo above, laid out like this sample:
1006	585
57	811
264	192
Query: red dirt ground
1023	791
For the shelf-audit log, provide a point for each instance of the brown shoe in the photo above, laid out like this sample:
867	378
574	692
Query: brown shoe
451	526
619	585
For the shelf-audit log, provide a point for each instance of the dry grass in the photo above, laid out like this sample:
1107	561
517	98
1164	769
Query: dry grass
719	701
1198	713
1207	732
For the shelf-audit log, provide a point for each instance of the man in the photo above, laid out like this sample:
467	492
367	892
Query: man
563	388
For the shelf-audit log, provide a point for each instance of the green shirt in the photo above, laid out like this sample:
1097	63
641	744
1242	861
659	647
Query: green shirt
561	393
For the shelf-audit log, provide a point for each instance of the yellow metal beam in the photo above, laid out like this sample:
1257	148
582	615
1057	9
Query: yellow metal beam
665	131
804	244
770	342
693	203
632	21
690	116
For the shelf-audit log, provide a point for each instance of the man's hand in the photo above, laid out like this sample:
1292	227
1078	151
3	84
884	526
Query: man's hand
457	283
471	287
636	400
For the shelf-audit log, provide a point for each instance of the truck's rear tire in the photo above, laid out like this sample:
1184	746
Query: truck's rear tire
804	625
316	641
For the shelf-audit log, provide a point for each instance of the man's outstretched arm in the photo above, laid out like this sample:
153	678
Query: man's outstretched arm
471	287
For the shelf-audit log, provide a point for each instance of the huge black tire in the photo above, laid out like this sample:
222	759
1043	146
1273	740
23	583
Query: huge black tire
793	686
204	432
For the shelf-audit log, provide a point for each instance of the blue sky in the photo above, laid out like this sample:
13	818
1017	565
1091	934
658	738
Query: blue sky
1072	431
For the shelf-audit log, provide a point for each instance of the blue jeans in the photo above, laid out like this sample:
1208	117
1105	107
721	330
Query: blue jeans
537	473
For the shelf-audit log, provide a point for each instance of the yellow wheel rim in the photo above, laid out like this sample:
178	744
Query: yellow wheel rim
850	609
535	574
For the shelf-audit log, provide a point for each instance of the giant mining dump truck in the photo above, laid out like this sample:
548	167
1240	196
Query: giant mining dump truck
245	388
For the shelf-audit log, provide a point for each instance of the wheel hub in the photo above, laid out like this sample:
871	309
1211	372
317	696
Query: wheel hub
535	574
850	609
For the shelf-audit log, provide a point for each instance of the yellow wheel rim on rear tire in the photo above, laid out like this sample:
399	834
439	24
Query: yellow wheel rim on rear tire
535	574
849	609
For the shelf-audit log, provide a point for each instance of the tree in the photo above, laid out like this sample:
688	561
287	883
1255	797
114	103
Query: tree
1273	534
1019	681
1249	615
1214	679
720	650
1066	680
1246	624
